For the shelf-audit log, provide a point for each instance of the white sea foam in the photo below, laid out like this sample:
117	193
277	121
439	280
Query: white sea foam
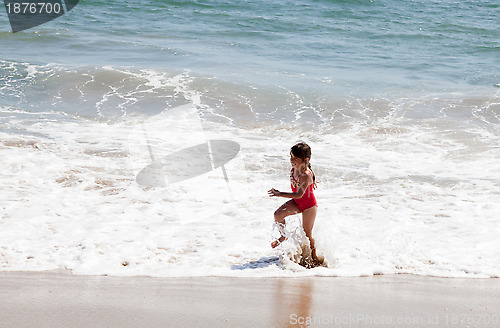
392	199
403	187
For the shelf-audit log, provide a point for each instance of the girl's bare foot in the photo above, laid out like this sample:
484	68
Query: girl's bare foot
277	242
315	259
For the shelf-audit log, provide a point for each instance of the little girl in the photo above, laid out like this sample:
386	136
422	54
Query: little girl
302	197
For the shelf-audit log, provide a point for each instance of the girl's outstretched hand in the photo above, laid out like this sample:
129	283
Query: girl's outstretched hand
273	192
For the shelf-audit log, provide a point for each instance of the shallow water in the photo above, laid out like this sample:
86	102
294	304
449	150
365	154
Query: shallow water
397	100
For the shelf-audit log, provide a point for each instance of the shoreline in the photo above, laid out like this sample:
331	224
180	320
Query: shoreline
62	299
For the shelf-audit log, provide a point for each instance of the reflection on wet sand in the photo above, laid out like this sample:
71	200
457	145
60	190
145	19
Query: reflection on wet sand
293	303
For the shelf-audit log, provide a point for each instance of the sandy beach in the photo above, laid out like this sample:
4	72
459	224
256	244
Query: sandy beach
60	299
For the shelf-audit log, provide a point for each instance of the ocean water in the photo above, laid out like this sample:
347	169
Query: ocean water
119	122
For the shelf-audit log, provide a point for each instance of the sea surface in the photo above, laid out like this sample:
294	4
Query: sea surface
110	114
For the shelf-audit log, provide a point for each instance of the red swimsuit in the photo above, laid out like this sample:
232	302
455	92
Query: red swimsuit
308	200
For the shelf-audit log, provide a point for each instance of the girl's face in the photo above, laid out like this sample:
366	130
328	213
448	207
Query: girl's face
296	161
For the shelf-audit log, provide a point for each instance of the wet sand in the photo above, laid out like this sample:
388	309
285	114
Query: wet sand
60	299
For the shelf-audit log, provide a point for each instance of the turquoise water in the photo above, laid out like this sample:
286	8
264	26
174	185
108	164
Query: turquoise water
354	47
333	60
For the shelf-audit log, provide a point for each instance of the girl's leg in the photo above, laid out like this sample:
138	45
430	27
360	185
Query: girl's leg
288	208
308	217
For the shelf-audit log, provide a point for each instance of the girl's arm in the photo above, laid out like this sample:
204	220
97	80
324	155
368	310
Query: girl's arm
304	181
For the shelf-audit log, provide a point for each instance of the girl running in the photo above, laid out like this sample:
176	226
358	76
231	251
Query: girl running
302	197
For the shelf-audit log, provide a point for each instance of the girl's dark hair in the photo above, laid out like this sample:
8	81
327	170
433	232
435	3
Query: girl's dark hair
303	151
